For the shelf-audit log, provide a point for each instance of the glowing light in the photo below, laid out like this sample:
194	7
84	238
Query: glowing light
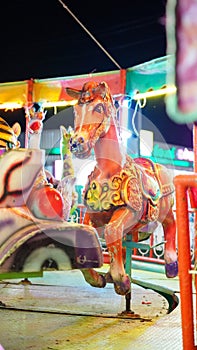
59	104
11	105
17	105
153	93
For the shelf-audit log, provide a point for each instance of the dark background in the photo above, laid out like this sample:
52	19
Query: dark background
41	39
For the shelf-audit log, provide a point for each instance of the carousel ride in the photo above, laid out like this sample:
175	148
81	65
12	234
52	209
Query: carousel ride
123	197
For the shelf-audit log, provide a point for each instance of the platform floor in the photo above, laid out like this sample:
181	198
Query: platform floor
61	311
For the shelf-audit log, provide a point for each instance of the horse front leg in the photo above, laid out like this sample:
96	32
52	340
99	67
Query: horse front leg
121	220
170	254
91	276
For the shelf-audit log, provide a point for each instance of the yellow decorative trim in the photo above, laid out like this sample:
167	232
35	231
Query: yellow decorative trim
119	190
129	187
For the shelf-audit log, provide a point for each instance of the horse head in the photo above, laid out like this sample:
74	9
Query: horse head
93	112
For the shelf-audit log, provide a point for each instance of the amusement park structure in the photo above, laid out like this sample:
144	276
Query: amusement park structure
137	82
34	234
70	245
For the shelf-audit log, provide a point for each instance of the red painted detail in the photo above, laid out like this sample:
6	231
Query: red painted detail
146	302
36	126
46	203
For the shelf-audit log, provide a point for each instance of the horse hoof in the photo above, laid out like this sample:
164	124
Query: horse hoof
108	278
100	282
124	286
171	269
94	279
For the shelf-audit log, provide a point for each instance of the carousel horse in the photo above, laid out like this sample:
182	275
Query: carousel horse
122	195
45	202
66	184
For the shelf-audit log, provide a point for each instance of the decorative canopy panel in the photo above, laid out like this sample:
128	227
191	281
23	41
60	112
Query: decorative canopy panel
13	93
53	90
20	94
147	76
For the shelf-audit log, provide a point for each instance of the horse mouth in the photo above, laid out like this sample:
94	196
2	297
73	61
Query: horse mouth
83	155
81	152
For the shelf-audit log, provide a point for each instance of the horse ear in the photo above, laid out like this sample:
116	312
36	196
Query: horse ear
73	93
62	129
105	90
65	132
103	85
16	128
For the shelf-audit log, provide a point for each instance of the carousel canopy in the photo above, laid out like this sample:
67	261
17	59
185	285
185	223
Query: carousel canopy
147	76
155	77
144	77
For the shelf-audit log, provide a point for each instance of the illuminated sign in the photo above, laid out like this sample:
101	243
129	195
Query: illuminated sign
174	152
185	154
170	154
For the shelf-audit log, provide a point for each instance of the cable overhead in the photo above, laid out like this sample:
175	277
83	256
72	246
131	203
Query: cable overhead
92	37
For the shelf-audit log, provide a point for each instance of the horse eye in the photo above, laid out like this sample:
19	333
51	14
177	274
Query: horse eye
80	140
99	108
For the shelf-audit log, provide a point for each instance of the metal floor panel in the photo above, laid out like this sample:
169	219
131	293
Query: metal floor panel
61	311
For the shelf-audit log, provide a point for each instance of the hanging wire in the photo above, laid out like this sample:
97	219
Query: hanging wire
119	100
87	31
140	105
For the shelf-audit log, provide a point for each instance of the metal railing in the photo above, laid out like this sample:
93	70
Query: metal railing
152	249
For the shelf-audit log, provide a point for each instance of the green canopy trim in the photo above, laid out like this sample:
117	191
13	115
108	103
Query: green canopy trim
147	76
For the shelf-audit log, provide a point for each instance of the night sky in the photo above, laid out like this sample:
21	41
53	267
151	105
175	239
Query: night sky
41	39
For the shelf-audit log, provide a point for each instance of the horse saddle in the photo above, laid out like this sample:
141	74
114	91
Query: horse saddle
150	184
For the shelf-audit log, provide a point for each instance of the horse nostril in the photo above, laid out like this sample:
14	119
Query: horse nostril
76	144
80	140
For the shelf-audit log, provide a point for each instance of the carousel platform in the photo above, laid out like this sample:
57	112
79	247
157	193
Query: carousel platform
61	311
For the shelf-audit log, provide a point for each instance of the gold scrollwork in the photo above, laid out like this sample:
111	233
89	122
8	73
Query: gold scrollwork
102	196
119	190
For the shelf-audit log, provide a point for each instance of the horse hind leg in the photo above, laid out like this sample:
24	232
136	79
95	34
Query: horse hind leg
170	254
99	280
